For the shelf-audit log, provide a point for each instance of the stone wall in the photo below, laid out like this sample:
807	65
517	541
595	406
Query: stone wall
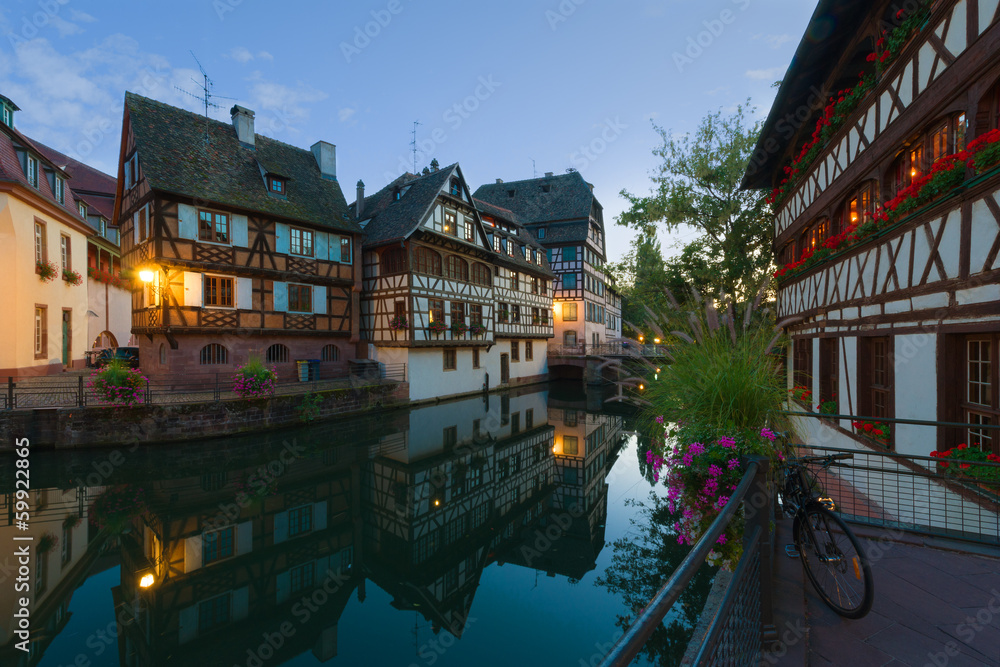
94	426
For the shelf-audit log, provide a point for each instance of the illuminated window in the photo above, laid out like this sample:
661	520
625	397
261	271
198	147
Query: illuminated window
218	291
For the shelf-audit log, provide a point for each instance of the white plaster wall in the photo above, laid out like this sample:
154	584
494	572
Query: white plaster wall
110	310
915	365
847	391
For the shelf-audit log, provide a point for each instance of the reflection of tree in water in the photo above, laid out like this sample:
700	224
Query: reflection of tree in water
641	563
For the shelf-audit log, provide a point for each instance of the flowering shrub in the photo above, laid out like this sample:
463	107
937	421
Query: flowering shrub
437	327
118	384
839	107
459	328
254	379
116	506
398	323
874	430
46	271
477	329
801	394
965	457
700	479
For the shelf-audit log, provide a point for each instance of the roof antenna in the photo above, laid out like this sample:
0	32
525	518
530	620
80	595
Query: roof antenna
206	89
414	144
534	172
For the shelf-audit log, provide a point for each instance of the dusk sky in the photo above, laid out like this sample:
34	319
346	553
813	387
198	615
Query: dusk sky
567	84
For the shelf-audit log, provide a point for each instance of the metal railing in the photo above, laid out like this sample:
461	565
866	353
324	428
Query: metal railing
57	392
933	495
745	618
608	350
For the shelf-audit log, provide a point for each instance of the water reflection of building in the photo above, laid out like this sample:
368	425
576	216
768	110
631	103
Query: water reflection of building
227	574
62	551
469	476
585	447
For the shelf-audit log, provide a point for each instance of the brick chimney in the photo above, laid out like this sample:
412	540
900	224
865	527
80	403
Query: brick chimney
360	205
326	158
548	174
243	122
499	180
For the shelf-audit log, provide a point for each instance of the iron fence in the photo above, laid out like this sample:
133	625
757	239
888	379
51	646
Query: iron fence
745	618
57	392
622	349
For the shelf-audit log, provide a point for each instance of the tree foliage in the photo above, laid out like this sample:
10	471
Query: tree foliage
698	184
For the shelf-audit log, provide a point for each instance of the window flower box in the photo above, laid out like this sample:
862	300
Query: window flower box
877	431
477	329
398	323
46	271
459	328
437	327
72	277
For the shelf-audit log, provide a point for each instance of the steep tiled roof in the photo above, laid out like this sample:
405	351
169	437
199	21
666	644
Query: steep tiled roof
183	153
93	187
11	170
391	220
569	197
519	235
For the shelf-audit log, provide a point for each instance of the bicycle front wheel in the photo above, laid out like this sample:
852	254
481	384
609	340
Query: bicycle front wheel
834	561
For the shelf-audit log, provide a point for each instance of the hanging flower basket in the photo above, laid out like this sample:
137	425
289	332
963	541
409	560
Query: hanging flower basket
398	323
47	542
47	271
71	521
72	277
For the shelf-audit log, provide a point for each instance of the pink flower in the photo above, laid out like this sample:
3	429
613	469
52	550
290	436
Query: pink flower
733	464
659	420
726	441
714	471
769	434
696	449
722	539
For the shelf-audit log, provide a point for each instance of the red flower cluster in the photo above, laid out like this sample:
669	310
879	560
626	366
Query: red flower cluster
877	430
961	454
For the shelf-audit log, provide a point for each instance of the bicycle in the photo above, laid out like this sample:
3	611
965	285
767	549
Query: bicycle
834	561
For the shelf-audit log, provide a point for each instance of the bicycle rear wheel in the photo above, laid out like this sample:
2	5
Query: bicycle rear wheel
834	562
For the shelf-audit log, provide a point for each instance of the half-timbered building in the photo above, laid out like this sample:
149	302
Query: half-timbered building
895	283
430	273
563	215
245	243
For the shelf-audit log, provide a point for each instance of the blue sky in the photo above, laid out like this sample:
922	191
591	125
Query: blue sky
566	83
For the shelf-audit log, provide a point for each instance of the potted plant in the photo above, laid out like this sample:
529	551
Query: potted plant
459	328
503	316
398	323
437	327
965	459
118	384
801	394
254	379
878	431
47	542
71	277
829	407
46	271
71	521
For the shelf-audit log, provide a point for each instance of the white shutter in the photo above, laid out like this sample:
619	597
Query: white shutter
319	299
188	624
192	553
280	527
241	602
280	238
187	221
192	289
322	241
280	297
238	228
283	585
319	515
244	293
244	538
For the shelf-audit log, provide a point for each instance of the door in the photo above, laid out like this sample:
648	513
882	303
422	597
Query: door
504	368
67	334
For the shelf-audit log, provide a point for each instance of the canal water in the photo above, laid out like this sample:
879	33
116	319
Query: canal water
513	529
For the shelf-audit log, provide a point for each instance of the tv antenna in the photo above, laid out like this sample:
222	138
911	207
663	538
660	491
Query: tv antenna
534	172
206	86
414	144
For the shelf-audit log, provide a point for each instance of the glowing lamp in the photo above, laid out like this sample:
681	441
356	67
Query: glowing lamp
146	580
656	340
437	503
146	276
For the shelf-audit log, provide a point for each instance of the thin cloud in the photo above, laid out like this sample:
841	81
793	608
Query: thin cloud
765	74
345	114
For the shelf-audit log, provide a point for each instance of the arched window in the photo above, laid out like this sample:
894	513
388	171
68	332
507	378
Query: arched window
481	274
457	268
330	353
214	354
105	339
163	354
276	354
392	261
428	261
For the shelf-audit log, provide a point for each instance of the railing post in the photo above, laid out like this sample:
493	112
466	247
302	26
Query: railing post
10	392
79	391
149	393
759	510
218	396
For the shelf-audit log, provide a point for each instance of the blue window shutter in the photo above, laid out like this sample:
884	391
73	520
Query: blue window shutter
244	538
241	603
280	527
319	515
187	221
319	299
188	624
240	235
322	249
281	238
280	297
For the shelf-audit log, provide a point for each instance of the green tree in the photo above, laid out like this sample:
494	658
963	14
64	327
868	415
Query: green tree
698	184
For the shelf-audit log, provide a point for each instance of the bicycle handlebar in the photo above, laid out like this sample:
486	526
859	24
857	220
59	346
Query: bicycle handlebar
829	457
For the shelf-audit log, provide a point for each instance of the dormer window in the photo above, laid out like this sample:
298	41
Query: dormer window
456	188
60	190
276	185
131	171
398	194
541	232
8	116
32	172
83	209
